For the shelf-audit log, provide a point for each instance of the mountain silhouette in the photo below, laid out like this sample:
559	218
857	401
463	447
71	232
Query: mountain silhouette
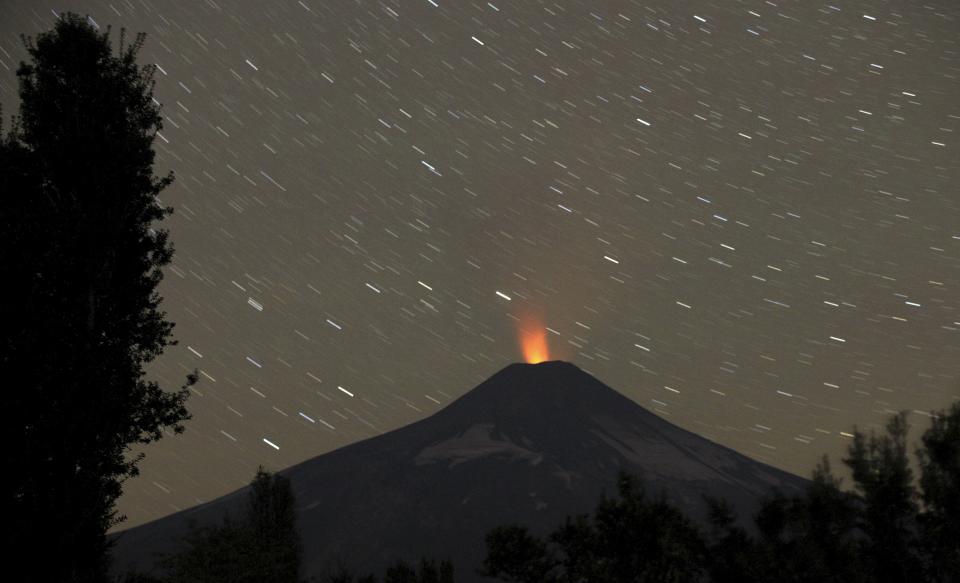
530	445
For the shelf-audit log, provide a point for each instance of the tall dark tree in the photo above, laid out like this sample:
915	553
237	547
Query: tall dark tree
884	481
732	555
82	260
271	518
940	491
825	528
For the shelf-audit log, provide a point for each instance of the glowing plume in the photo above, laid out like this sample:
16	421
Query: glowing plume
533	339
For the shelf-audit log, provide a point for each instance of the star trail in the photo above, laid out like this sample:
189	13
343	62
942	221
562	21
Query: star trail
743	215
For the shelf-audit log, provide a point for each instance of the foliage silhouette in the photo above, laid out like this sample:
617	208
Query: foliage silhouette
338	572
627	539
264	547
884	483
732	555
400	572
77	238
876	533
513	554
427	572
271	516
939	461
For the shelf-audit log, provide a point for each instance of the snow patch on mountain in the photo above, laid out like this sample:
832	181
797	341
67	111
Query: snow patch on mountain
475	443
658	457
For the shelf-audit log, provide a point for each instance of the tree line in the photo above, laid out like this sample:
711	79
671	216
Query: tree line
82	257
882	531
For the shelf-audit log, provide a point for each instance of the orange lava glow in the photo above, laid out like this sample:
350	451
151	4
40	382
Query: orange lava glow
533	339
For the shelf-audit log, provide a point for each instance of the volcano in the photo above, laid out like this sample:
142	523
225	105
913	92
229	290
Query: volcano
530	445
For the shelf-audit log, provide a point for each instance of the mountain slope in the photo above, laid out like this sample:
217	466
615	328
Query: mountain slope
530	445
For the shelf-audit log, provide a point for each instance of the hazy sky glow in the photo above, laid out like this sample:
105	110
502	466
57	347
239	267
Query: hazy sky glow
743	215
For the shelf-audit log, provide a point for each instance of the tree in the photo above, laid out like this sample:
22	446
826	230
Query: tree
427	572
263	547
940	485
400	572
514	555
825	528
446	572
214	554
732	556
811	538
271	517
876	533
80	313
873	534
644	540
339	572
889	518
135	577
628	539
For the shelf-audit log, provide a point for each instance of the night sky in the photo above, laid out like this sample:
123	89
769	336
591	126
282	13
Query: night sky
744	215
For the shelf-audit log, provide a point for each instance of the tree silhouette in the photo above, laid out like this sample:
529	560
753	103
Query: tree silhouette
811	538
339	572
874	534
264	547
627	539
940	492
514	555
884	482
400	572
214	554
271	516
825	528
446	572
427	572
80	311
732	555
